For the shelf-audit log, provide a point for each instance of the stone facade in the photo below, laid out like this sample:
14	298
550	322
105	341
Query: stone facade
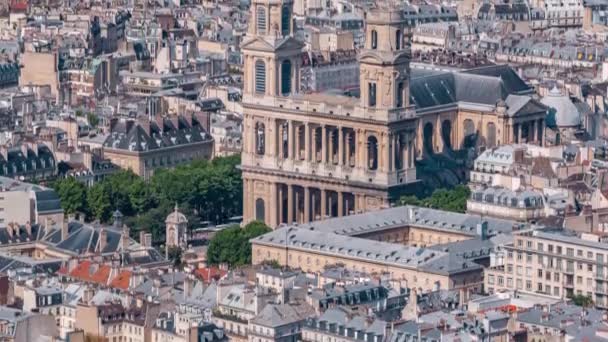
308	157
312	156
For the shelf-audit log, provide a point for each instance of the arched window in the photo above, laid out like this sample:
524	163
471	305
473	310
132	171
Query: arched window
286	77
372	153
259	209
261	20
374	39
260	77
285	21
398	40
400	91
260	138
371	92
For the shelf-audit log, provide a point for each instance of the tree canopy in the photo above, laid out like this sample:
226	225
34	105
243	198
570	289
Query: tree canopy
581	300
204	190
444	199
232	246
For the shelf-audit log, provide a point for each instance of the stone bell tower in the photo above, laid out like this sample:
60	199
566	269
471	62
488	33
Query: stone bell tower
385	60
271	55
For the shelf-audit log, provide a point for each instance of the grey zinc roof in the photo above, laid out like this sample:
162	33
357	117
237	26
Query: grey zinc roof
485	85
47	201
162	134
276	315
368	250
359	224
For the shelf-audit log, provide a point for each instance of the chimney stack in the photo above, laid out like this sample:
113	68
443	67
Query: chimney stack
103	239
28	229
482	230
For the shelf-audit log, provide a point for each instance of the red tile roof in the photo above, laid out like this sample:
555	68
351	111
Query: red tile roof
82	271
209	273
17	6
122	280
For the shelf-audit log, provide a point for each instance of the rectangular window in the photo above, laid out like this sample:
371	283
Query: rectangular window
570	252
371	90
399	95
540	246
519	270
260	77
528	285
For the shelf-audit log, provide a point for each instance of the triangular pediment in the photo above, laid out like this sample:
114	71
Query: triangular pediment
257	43
531	107
262	44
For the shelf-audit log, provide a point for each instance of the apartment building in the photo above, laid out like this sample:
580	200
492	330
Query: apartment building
552	262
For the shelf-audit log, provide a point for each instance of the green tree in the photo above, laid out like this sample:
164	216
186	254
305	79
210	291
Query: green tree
140	196
454	199
72	194
581	300
232	245
175	254
100	202
92	119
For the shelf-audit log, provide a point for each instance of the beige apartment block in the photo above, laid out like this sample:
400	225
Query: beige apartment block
556	263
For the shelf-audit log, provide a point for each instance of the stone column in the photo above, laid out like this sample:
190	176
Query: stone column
391	158
330	147
340	146
280	204
323	203
246	203
272	208
280	141
532	130
307	141
307	204
313	205
271	137
296	132
298	216
290	204
347	138
313	143
323	144
340	204
251	136
290	149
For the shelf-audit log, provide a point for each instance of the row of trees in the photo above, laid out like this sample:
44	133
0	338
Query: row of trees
204	190
445	199
232	246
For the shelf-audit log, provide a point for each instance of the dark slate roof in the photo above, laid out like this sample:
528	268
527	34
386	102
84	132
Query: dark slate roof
163	133
18	163
83	238
47	201
20	234
485	85
512	82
